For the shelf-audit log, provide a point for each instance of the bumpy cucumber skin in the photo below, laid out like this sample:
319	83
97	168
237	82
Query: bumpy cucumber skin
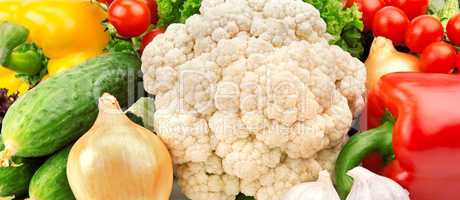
61	109
50	180
14	181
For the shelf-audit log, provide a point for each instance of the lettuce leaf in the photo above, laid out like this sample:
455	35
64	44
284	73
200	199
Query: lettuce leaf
176	11
344	24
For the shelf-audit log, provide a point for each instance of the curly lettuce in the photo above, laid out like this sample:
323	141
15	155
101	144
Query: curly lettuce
176	11
344	24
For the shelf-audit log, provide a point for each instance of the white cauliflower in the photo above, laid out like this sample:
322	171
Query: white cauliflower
251	98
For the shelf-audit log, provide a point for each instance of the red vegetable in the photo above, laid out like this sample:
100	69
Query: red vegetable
438	57
131	18
422	31
412	8
424	137
369	8
150	36
390	22
453	29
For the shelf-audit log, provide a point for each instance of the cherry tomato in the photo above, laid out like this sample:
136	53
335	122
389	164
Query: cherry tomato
369	8
423	30
150	36
438	57
131	18
453	29
348	3
390	22
412	8
457	66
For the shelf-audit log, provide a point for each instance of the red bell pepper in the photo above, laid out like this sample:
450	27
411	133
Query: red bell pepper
425	137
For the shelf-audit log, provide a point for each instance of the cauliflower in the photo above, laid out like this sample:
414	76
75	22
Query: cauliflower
251	98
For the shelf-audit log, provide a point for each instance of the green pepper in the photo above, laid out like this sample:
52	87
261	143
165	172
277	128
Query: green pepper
358	147
15	54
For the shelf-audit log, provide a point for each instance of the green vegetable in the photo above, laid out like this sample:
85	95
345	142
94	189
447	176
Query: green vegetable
446	10
344	24
14	180
142	112
64	107
11	36
25	58
50	180
117	44
176	11
359	145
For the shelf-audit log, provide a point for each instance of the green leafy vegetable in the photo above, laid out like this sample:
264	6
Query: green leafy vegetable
445	10
119	44
176	11
344	24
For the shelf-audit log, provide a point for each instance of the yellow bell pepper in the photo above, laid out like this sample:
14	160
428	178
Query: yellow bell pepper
9	81
68	31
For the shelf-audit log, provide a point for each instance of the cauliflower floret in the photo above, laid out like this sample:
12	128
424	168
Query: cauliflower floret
251	98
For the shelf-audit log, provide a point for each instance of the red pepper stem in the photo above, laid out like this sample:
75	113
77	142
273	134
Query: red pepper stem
357	148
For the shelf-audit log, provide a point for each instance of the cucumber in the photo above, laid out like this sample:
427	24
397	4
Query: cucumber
50	180
14	180
62	108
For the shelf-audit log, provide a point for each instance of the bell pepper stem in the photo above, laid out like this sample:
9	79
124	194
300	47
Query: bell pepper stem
17	55
11	36
27	59
357	148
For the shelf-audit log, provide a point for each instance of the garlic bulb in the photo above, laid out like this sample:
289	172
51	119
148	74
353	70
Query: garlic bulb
119	160
370	186
322	189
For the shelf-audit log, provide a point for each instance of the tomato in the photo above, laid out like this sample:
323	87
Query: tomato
348	3
422	31
412	8
131	18
150	36
390	22
438	57
152	4
453	29
369	8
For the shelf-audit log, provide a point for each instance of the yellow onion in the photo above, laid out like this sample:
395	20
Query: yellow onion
384	58
119	160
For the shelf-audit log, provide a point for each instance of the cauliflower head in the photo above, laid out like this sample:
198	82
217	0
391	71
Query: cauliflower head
251	98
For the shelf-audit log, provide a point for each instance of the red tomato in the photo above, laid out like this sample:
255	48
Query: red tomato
348	3
390	22
369	8
453	29
422	31
438	57
412	8
131	18
457	66
152	4
149	37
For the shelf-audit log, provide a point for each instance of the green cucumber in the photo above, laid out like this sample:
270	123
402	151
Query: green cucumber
14	180
50	180
62	108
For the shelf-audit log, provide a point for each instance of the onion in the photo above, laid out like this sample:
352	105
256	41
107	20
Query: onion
384	58
119	160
